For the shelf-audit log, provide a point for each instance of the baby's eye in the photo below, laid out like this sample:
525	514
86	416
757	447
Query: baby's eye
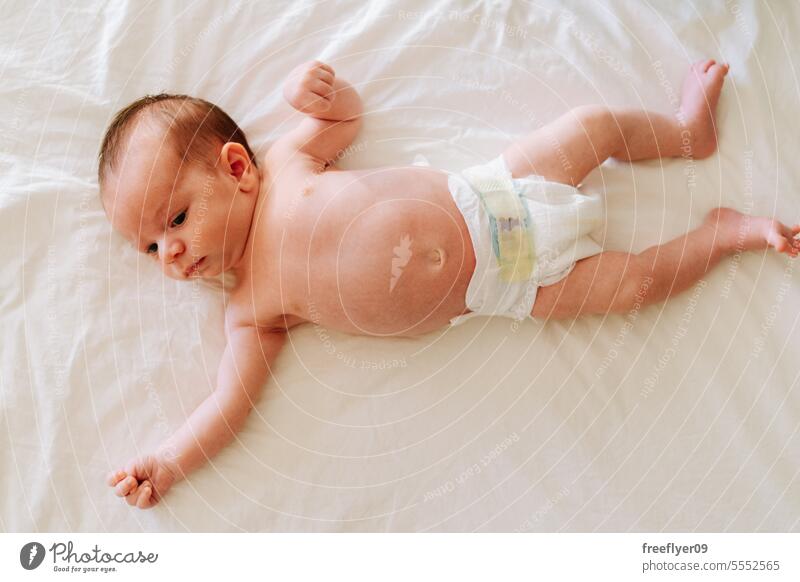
152	249
178	220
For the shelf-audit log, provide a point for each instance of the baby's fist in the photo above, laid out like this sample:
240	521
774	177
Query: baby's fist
143	482
310	88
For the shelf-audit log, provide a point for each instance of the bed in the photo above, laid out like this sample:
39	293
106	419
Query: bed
678	417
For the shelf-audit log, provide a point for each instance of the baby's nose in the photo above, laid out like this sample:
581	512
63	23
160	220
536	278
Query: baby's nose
175	249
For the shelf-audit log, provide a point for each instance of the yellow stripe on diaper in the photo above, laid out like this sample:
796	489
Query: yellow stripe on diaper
509	222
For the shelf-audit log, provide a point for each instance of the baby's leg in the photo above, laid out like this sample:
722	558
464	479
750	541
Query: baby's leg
569	148
613	282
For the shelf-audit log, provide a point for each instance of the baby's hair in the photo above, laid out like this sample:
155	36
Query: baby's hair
193	125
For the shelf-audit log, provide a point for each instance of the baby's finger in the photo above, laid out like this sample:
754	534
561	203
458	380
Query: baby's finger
126	486
145	498
315	103
115	477
320	88
325	76
326	68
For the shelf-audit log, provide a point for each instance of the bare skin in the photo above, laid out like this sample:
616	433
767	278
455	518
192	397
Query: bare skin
612	282
380	252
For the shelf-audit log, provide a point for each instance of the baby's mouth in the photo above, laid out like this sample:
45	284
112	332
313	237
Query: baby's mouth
194	268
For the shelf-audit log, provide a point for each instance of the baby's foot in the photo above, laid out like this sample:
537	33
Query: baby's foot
701	89
740	232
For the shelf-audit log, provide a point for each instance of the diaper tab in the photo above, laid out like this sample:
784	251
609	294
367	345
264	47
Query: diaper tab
509	222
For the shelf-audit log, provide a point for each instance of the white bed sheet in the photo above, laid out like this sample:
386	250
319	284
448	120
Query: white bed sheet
684	416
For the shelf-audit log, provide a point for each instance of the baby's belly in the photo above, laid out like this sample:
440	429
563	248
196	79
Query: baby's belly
402	267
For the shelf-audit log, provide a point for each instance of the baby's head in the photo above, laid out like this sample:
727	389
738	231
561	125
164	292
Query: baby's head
179	180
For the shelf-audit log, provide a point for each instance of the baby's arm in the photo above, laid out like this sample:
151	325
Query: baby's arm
242	373
333	108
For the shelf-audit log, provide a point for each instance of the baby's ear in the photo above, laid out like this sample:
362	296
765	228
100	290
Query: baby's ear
236	163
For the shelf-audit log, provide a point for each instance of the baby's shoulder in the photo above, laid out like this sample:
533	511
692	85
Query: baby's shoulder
282	158
240	312
249	305
290	180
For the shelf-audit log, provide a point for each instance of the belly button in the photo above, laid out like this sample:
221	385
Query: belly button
437	257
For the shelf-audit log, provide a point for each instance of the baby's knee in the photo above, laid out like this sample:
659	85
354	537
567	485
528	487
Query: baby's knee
601	127
593	117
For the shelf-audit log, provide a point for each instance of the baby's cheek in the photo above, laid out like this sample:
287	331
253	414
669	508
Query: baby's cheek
214	223
197	233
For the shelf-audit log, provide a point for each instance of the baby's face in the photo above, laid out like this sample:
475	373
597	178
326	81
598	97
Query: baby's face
192	219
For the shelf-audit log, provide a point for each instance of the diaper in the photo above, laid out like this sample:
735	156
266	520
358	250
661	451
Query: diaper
525	232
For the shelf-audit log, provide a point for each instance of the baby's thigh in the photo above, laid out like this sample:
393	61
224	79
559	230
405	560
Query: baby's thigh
567	149
603	283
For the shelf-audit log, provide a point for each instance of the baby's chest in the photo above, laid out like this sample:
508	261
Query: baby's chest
344	253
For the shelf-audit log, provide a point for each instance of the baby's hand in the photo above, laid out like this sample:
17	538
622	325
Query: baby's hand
310	88
144	481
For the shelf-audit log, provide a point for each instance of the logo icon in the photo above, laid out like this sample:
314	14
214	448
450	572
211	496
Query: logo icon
31	555
402	254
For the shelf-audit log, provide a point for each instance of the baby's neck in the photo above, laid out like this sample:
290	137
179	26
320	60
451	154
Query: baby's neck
254	209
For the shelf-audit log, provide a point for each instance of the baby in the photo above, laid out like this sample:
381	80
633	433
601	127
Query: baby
388	251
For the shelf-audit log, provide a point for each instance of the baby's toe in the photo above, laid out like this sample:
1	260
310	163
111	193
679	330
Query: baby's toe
704	65
716	73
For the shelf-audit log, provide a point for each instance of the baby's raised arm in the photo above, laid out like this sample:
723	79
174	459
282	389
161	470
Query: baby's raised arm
242	373
333	108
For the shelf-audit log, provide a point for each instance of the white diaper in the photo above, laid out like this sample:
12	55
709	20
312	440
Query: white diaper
525	232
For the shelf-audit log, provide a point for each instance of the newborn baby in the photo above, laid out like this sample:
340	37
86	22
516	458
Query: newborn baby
388	251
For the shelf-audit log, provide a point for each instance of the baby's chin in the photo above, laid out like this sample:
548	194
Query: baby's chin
210	267
211	270
215	279
198	277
